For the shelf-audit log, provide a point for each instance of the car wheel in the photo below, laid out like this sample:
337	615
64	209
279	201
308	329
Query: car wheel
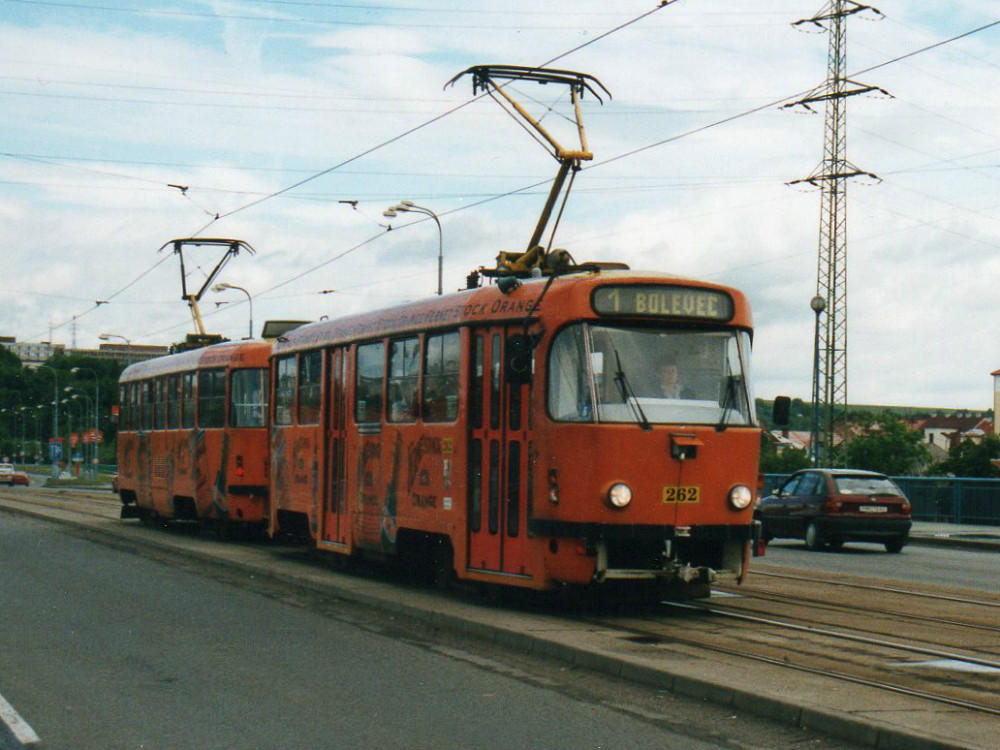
895	545
814	540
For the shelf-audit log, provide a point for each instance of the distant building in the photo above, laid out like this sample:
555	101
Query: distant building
943	433
32	354
37	353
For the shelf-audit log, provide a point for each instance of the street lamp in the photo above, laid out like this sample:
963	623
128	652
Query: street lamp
222	286
109	336
97	410
410	207
55	415
818	304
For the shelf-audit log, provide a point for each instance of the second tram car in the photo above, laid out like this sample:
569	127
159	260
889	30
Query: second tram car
193	436
582	429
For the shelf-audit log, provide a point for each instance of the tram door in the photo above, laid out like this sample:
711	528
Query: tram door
335	527
498	455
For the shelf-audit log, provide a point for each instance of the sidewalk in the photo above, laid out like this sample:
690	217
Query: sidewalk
955	535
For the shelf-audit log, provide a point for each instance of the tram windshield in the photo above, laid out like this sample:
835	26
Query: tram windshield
600	373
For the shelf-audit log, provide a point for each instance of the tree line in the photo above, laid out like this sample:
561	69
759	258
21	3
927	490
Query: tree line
879	441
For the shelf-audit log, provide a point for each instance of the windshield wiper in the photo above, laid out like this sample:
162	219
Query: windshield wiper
628	395
728	401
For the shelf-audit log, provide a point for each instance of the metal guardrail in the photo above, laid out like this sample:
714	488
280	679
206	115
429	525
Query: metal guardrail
961	500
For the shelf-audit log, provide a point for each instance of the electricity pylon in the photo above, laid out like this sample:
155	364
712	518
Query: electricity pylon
830	376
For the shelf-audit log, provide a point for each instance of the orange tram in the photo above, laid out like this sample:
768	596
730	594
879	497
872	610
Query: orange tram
192	440
590	429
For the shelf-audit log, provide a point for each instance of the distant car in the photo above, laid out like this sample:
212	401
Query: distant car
7	474
827	507
21	477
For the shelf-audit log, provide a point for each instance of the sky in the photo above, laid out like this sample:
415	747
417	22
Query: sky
293	125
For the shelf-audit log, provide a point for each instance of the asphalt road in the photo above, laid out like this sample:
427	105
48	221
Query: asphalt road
960	567
104	647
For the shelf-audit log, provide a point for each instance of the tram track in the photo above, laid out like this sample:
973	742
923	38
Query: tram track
906	647
755	594
650	637
812	579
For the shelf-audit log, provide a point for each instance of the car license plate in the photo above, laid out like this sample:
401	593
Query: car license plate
689	494
873	509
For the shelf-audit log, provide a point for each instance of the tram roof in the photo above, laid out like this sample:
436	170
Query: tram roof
567	296
252	353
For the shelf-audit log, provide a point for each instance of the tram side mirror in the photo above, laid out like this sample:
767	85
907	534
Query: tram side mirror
781	411
517	366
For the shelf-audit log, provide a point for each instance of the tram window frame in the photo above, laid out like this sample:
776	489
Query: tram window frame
123	410
146	396
310	385
369	381
135	406
248	396
285	377
160	404
190	400
477	387
442	364
404	379
174	401
212	398
495	362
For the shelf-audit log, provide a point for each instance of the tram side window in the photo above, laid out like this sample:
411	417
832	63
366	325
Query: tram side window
212	398
404	367
368	389
569	393
123	411
248	398
147	405
284	390
310	367
440	396
187	410
174	402
135	407
160	397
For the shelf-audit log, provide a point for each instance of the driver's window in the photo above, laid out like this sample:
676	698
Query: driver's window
809	485
788	488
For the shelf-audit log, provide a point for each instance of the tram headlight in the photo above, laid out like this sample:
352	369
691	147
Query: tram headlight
619	495
740	497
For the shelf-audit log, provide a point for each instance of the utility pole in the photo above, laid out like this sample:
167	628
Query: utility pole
830	370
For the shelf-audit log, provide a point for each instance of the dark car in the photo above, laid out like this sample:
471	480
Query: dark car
827	507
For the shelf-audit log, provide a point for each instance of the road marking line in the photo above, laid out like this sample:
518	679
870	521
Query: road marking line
19	727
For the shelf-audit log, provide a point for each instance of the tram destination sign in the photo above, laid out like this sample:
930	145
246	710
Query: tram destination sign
662	301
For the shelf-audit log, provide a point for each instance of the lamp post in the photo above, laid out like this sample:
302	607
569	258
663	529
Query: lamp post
818	304
411	207
55	415
24	420
85	413
38	438
97	411
222	286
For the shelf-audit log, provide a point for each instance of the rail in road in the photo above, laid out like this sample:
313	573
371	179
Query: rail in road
883	666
